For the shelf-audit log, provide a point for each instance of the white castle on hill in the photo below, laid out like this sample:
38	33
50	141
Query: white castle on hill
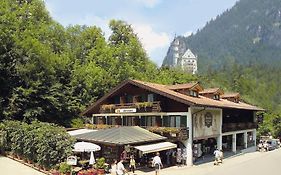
180	56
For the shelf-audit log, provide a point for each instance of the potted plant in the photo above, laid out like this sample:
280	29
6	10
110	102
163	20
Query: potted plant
100	165
65	168
92	171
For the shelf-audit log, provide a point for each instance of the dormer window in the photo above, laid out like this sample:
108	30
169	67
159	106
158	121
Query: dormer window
193	93
216	97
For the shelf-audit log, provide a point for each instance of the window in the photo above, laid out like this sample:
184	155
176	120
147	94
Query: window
117	100
193	93
216	97
129	99
150	97
150	121
174	121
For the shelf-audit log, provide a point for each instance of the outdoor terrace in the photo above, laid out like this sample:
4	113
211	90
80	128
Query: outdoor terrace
138	106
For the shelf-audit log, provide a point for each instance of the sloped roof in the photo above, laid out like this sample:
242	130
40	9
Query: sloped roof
188	54
212	91
193	85
167	92
231	95
121	136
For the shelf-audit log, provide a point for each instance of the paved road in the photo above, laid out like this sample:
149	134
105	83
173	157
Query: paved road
11	167
256	163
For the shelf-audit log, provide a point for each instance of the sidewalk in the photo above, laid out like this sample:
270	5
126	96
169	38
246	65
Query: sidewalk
205	168
11	167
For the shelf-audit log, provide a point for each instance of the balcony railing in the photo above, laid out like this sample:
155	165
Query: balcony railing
227	127
178	133
138	107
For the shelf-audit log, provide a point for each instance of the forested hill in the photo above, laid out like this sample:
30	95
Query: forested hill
240	51
51	73
249	33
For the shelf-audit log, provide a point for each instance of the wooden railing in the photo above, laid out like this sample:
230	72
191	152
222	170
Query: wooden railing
139	106
227	127
178	133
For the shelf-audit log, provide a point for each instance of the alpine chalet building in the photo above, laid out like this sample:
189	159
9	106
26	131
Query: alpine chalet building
197	120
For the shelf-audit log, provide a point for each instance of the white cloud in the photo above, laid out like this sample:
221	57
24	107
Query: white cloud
92	20
150	39
149	3
187	34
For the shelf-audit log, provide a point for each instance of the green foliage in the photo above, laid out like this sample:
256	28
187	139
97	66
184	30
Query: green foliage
100	163
64	168
240	51
77	123
50	73
42	143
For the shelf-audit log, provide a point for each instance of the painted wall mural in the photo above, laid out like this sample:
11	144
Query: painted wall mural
206	124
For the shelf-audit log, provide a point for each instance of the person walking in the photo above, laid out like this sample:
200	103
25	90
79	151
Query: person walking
113	167
217	156
120	170
132	164
221	155
156	162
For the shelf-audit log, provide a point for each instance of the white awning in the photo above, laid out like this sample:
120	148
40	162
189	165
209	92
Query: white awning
151	148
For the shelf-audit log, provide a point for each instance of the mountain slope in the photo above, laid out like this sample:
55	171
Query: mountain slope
249	33
240	51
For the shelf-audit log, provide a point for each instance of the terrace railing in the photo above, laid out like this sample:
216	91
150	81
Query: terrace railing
138	107
227	127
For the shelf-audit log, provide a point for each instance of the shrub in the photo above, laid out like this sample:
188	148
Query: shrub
64	168
77	123
42	143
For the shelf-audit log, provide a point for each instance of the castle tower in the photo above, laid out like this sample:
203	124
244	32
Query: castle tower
189	62
175	48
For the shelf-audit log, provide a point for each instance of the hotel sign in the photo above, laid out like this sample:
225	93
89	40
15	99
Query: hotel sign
126	110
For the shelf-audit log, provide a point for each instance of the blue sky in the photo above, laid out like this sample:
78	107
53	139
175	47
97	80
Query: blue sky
155	21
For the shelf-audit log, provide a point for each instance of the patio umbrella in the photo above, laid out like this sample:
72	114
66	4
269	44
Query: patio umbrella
85	147
92	159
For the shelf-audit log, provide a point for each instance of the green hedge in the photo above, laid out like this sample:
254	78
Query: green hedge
41	143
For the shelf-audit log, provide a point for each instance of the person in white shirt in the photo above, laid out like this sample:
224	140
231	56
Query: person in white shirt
120	170
156	162
113	167
217	156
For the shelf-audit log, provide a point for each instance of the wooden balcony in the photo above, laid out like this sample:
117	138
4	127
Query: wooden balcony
135	107
228	127
173	133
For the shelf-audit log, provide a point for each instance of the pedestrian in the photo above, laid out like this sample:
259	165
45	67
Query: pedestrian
156	162
113	167
221	155
217	156
120	170
179	156
132	164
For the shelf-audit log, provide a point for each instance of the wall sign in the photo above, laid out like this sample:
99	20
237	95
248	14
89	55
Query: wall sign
208	119
126	110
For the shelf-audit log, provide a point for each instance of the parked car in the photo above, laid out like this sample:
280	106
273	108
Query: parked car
277	143
272	144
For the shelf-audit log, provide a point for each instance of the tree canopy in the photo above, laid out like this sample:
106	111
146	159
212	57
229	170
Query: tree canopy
51	73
